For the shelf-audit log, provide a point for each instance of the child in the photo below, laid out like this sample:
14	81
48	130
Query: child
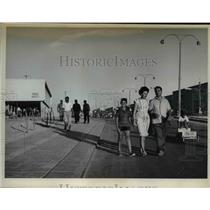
183	120
123	124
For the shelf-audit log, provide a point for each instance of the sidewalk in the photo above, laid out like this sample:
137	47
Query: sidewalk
50	151
90	151
102	160
16	129
89	132
104	135
176	163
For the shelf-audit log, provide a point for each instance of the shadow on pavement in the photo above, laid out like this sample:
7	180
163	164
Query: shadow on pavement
42	125
81	136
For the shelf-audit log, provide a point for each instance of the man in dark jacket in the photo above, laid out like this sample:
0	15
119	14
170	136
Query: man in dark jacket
86	111
77	110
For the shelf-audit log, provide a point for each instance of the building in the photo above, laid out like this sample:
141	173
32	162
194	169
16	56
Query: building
28	93
192	98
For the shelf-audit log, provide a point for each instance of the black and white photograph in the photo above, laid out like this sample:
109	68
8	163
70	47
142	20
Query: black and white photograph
106	101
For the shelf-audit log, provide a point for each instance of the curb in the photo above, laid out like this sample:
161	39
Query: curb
194	119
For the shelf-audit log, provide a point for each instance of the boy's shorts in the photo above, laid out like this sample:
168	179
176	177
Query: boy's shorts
125	128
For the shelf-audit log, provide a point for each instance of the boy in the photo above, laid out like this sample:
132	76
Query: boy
123	124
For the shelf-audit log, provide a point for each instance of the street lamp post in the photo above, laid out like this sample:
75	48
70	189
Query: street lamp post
180	38
144	76
199	97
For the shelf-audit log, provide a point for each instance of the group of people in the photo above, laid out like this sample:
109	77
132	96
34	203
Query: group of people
14	112
156	112
66	110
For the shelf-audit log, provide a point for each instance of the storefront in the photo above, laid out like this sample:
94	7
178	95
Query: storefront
27	95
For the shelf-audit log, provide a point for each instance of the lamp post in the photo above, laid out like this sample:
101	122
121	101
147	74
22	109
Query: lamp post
199	97
180	38
145	77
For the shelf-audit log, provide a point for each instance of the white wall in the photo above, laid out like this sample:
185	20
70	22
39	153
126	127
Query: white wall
25	90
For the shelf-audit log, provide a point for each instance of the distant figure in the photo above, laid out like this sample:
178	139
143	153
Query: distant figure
184	120
36	112
14	114
67	114
24	112
60	110
19	112
86	111
51	115
123	125
141	117
30	112
77	110
7	112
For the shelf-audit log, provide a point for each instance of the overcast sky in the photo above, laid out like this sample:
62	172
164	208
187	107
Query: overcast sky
37	52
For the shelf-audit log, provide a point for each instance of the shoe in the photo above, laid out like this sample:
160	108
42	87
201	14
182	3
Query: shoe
143	152
68	128
160	153
132	154
120	154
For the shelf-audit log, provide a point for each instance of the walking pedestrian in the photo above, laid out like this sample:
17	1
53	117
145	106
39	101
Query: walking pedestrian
60	110
67	114
160	111
141	117
77	110
123	125
86	112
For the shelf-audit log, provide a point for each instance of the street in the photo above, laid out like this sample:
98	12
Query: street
90	151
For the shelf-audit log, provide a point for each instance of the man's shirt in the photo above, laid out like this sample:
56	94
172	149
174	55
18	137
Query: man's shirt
67	106
160	108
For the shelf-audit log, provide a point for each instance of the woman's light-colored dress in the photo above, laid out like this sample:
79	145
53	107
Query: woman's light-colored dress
142	116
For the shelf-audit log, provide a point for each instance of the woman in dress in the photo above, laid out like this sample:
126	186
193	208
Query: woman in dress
141	117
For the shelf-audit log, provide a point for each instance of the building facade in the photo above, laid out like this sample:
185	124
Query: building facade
192	99
28	94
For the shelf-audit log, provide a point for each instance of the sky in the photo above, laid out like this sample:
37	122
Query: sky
42	53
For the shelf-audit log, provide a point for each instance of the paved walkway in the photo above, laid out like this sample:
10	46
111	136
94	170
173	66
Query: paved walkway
180	161
47	151
90	151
